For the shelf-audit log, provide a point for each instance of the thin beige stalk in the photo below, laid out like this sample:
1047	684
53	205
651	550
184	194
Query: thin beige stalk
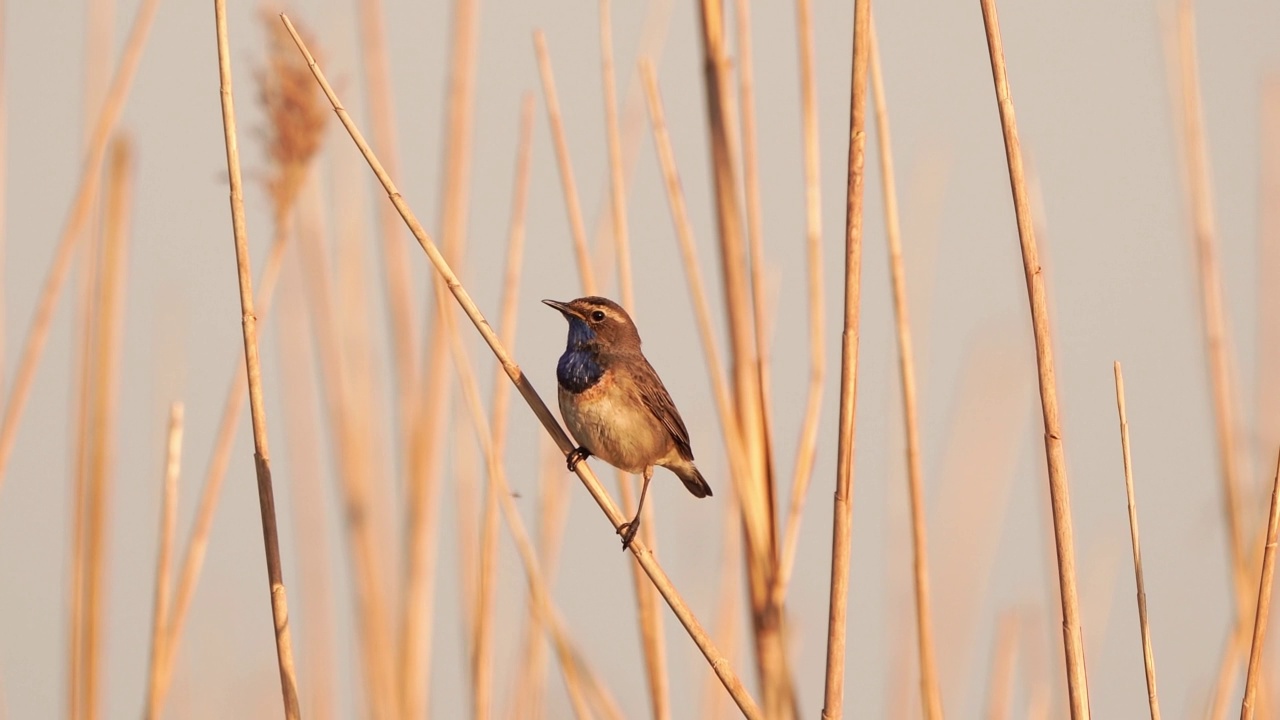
728	605
807	447
1212	310
639	550
257	413
1148	658
103	390
1264	603
77	220
842	523
1059	493
573	207
164	564
651	637
1000	684
930	695
395	264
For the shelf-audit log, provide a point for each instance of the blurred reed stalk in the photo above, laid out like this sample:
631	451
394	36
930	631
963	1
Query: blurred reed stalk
652	641
639	550
78	218
1000	682
807	447
431	396
164	562
1247	708
104	326
930	695
1148	658
1268	267
1059	493
266	499
842	523
757	491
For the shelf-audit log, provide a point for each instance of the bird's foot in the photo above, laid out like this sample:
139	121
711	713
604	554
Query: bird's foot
628	532
578	455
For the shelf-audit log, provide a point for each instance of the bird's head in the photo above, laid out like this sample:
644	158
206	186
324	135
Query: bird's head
597	320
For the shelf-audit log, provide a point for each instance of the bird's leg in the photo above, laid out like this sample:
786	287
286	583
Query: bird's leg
628	529
578	454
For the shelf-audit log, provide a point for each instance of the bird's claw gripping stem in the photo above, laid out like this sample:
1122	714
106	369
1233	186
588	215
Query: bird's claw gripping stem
628	532
578	455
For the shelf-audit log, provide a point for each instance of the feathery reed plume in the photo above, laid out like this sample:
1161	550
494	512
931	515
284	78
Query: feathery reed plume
266	499
1247	708
842	523
164	558
807	447
930	696
1148	658
573	208
638	549
102	389
77	219
651	638
1000	685
293	134
1060	500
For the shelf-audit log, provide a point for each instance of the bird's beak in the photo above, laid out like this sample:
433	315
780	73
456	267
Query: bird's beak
564	308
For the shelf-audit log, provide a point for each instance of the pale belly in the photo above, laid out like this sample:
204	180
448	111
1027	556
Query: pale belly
626	436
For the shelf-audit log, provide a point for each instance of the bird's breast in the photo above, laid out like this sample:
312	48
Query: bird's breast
609	422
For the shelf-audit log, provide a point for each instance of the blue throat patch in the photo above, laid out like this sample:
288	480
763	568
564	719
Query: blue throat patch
579	368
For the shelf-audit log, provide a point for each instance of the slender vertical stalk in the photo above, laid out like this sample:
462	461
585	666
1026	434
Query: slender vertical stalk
573	207
807	447
1000	688
1148	658
257	413
1264	603
1059	493
930	696
638	549
842	524
164	564
652	641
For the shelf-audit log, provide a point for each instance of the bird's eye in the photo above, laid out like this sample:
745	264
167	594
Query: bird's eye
598	315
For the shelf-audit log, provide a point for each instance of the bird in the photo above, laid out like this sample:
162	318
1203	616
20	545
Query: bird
614	404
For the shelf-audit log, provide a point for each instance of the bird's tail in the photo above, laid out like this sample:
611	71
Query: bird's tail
692	479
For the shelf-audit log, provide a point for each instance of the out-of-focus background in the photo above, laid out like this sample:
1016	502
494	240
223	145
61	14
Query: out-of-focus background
1096	109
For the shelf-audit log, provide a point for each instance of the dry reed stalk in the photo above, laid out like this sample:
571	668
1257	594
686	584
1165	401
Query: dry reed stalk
1148	658
573	207
1073	642
755	253
541	595
303	448
1213	311
257	413
1000	685
356	496
164	561
104	320
484	588
395	264
930	696
1268	259
99	46
652	641
78	218
842	507
1247	709
639	550
728	610
757	492
730	428
807	447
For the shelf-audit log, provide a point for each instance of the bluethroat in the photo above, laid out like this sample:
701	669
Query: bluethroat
614	404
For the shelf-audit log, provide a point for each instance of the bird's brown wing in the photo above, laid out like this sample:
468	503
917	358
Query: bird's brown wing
655	397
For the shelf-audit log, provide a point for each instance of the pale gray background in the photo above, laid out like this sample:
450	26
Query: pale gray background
1091	92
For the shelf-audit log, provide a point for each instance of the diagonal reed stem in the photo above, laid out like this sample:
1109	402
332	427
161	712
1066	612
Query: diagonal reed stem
639	550
257	413
164	563
1148	658
1258	646
1059	493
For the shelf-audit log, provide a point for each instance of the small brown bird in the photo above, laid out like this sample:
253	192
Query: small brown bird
614	404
